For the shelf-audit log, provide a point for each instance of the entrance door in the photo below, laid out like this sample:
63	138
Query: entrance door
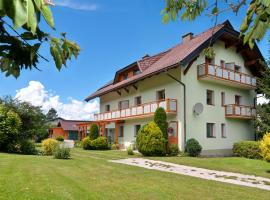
173	132
110	135
73	135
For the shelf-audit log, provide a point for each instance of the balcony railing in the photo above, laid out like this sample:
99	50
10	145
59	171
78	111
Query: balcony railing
144	110
209	70
240	111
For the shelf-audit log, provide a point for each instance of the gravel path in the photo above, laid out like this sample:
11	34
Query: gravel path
221	176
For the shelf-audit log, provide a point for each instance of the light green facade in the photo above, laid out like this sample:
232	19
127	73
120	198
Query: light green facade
236	129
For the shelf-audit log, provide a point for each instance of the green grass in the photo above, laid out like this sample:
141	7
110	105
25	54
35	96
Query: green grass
230	164
88	175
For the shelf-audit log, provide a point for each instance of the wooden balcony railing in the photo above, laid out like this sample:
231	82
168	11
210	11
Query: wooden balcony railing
240	111
206	70
144	110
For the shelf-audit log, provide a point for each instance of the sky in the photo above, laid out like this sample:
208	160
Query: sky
111	34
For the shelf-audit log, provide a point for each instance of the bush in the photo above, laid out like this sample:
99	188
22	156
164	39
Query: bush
86	143
60	138
193	147
265	147
78	144
94	132
247	149
49	145
115	147
28	147
100	143
160	118
150	140
174	150
130	151
61	153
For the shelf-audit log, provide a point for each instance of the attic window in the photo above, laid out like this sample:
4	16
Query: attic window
136	72
125	76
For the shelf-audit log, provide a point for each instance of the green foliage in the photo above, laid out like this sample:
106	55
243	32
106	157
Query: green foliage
115	147
265	147
19	49
61	153
174	150
78	144
193	147
150	140
49	145
160	118
94	132
247	149
51	114
262	122
254	25
10	127
60	138
209	52
130	151
28	147
86	143
100	143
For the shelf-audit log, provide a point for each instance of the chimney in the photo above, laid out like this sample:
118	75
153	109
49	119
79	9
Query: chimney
145	56
187	37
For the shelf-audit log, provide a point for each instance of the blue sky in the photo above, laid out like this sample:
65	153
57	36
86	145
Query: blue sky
112	34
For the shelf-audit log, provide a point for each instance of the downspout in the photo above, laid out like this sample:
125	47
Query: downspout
185	118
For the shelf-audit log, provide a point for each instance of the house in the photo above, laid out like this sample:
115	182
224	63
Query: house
68	129
211	100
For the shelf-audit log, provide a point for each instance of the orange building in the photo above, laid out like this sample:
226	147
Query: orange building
68	129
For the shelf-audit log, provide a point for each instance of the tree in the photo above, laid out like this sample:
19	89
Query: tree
51	114
21	41
160	118
94	132
254	25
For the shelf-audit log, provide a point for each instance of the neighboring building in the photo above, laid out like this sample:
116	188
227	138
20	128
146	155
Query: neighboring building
68	129
54	122
209	100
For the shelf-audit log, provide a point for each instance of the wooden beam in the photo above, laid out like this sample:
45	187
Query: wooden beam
127	91
189	65
135	87
241	48
119	93
249	63
235	43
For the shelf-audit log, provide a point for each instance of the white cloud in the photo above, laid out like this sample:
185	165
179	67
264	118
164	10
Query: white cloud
76	5
36	94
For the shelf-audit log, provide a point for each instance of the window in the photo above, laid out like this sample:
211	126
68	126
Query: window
138	101
223	131
237	100
161	95
107	108
136	71
123	104
125	76
237	68
121	131
222	64
222	98
210	97
210	130
136	129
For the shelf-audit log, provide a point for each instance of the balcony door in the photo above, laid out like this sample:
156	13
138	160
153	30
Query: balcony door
123	104
237	100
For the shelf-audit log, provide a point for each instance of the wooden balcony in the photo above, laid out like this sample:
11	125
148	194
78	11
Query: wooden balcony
240	111
141	111
226	76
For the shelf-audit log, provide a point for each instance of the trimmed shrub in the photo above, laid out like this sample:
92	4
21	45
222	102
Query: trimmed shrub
150	140
101	143
60	138
193	147
61	153
265	147
247	149
86	143
94	132
160	118
49	145
174	150
130	151
115	147
28	147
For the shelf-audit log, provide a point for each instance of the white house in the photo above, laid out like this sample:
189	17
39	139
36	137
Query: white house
209	100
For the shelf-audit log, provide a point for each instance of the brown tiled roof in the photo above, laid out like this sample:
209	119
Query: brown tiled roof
70	125
176	55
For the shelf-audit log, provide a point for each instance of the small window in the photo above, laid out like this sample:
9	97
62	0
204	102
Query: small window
136	130
161	95
237	68
210	97
107	108
121	131
223	131
125	76
210	130
136	72
222	98
222	64
138	101
237	100
123	104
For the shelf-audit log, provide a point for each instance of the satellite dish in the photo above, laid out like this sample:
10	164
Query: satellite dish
198	108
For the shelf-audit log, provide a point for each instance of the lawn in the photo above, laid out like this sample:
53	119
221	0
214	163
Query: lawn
89	175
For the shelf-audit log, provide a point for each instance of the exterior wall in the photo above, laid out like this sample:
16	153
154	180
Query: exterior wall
58	131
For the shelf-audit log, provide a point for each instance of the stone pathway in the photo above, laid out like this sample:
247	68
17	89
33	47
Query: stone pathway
221	176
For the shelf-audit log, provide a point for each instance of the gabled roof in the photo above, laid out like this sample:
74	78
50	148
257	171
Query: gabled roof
70	125
179	55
